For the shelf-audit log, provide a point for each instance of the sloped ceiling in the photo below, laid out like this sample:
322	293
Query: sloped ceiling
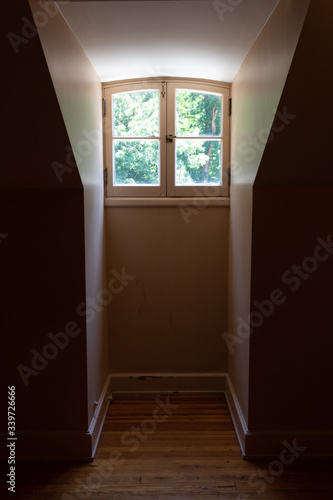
199	39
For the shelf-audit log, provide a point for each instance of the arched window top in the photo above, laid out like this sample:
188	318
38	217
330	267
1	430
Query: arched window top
166	137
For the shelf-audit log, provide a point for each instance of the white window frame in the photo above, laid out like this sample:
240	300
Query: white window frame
167	88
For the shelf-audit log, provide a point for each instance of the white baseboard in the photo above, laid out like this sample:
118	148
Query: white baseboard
134	383
271	444
65	446
236	414
97	422
254	444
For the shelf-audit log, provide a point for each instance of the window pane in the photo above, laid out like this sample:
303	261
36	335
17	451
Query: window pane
136	162
198	113
198	162
136	114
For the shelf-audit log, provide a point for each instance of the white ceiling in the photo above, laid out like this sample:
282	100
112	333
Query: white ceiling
189	38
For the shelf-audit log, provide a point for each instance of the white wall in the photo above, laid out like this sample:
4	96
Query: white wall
78	90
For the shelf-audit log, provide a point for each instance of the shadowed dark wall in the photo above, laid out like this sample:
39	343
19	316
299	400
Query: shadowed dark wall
256	91
43	257
281	263
79	93
290	354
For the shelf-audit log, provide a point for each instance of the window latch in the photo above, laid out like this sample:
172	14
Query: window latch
170	138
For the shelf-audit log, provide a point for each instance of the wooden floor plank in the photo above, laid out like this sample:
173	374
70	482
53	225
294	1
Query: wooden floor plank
184	450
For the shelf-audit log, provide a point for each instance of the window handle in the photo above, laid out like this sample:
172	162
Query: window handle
170	138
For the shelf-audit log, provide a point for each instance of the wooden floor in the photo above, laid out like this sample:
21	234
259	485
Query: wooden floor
178	447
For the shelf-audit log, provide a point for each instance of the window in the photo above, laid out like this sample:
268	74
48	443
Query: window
166	138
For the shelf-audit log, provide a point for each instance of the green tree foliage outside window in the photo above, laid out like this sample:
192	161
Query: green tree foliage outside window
137	161
198	161
136	114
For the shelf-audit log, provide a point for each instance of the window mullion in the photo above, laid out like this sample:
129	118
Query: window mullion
163	131
170	146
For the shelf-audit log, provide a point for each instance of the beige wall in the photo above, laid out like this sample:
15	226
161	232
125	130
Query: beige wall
256	91
78	90
169	318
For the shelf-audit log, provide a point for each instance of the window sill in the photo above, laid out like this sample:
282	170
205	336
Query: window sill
198	202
